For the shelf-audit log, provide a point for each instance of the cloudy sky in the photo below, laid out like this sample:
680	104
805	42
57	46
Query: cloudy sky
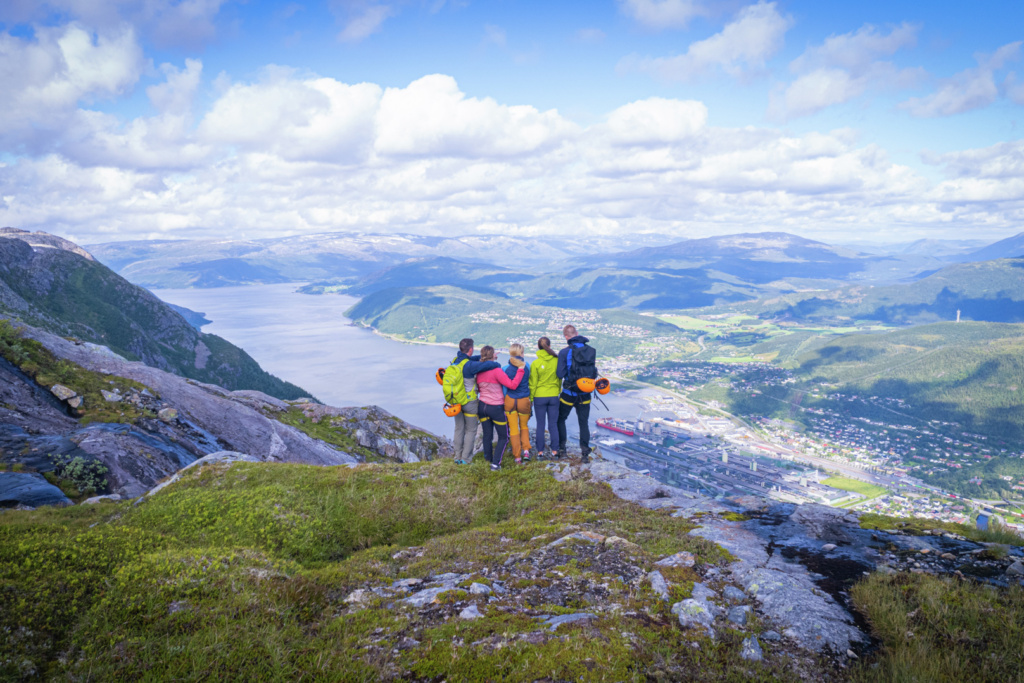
870	121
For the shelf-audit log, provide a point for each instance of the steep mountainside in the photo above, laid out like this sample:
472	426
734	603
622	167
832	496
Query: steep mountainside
53	284
85	418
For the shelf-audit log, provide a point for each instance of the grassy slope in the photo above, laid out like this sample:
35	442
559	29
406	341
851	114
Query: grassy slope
242	573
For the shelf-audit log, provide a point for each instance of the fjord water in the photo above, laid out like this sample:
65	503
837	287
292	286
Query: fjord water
307	340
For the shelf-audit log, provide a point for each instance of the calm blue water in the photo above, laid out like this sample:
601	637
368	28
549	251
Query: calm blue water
308	340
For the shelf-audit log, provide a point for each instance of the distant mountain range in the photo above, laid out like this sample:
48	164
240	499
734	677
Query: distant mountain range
990	291
56	285
647	272
344	257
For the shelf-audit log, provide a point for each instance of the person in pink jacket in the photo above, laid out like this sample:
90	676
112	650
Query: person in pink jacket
492	405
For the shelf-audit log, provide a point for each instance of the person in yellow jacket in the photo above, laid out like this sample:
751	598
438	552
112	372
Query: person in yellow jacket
544	389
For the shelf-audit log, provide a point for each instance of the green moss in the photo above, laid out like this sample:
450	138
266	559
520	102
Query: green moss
918	526
241	573
734	517
42	366
331	430
941	629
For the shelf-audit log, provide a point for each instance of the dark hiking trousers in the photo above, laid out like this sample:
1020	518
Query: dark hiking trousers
493	418
566	404
546	410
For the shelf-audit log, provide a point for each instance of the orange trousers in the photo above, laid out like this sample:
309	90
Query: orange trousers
518	411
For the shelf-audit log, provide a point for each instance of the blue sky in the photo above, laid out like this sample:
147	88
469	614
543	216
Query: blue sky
209	118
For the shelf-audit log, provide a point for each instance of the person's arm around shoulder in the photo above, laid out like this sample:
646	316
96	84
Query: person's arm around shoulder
475	367
504	380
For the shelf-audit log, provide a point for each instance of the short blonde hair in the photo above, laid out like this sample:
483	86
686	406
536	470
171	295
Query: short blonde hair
516	350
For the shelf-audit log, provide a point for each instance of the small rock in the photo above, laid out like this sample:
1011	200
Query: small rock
771	636
851	654
739	615
553	622
408	643
62	392
733	594
948	556
359	596
427	596
97	499
693	614
751	650
471	612
406	583
1015	569
479	589
110	396
658	584
925	551
76	401
621	542
167	414
587	536
177	606
680	559
828	547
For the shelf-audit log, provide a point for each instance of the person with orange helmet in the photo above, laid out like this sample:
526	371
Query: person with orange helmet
577	361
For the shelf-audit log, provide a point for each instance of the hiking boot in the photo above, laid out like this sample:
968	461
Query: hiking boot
559	455
495	468
519	461
585	459
526	456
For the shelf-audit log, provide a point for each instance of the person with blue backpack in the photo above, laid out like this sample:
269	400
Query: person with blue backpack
518	406
575	361
460	388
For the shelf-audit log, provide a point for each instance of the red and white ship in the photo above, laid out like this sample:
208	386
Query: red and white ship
614	425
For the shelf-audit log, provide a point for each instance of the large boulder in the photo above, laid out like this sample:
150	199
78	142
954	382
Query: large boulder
29	488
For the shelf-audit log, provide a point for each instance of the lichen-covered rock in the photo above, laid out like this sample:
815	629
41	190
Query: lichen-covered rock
750	650
62	392
658	584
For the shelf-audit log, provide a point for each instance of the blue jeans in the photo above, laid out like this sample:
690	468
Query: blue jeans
546	410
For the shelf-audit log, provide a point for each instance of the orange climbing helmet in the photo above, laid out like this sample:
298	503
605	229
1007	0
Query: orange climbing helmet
585	384
452	410
439	376
603	385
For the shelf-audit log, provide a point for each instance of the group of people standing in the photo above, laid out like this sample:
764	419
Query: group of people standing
502	400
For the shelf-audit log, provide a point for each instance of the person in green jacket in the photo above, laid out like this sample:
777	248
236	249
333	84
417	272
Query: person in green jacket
544	389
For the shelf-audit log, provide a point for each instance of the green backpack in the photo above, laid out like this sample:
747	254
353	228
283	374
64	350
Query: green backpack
454	384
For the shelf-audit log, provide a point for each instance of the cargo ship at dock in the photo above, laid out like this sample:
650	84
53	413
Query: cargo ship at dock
620	426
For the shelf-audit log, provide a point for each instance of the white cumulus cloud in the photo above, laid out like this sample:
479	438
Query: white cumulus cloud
742	46
662	14
433	117
842	68
970	89
45	78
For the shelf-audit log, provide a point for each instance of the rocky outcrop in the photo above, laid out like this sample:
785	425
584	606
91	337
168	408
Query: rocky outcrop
181	421
28	490
793	564
381	432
